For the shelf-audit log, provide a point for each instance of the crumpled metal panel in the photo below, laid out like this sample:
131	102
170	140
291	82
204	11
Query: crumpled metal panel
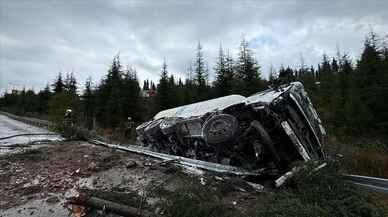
266	97
301	99
201	108
285	112
215	167
294	138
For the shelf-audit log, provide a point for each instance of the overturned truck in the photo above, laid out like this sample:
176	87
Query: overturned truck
266	132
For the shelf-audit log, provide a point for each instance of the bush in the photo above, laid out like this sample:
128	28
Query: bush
287	205
362	156
59	103
192	199
322	193
310	193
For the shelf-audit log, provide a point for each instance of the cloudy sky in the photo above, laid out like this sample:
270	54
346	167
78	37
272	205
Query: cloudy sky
39	38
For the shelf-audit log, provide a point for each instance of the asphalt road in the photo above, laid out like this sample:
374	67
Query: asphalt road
10	127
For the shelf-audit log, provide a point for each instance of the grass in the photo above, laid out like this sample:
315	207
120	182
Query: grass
192	199
367	157
321	194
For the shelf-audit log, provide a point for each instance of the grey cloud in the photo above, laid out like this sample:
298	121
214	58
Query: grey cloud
40	38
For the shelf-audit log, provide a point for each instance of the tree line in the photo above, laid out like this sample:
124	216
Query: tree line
349	94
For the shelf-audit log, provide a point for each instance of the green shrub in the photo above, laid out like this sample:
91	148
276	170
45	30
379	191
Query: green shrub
320	193
310	193
288	205
192	199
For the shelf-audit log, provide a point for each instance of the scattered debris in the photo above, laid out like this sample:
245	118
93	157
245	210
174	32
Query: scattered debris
53	199
233	144
131	164
267	132
203	182
282	179
85	201
37	173
257	187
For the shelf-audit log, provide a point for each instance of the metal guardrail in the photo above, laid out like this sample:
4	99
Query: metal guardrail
370	183
28	120
29	134
180	160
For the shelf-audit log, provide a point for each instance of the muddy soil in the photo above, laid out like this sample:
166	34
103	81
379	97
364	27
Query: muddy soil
49	173
37	182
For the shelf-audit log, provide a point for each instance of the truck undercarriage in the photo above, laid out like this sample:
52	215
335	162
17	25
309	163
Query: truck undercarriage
264	133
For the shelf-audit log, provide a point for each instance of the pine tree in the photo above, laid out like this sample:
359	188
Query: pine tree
326	102
247	71
70	84
200	75
369	78
180	83
146	85
384	85
345	72
44	96
58	85
286	75
334	66
224	75
30	102
272	75
163	89
189	86
88	103
130	96
173	92
180	93
153	86
171	81
109	97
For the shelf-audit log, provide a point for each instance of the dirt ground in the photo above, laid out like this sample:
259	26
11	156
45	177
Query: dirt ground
37	182
51	173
